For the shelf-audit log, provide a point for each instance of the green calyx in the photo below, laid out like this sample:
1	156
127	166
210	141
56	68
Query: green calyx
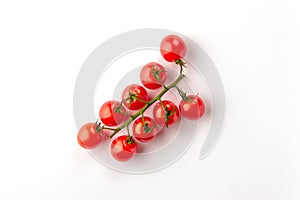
130	140
98	126
180	63
147	129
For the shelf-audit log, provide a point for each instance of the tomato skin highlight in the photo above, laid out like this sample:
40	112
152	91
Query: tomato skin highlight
121	150
145	130
109	117
172	48
141	96
147	76
159	113
88	137
193	108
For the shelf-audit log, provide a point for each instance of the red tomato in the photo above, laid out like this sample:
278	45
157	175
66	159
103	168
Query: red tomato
135	97
192	108
88	137
152	75
145	129
172	48
112	113
123	149
165	113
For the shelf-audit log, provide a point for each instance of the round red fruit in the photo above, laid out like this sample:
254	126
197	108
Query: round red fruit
88	137
172	48
112	113
145	129
192	107
165	113
123	148
153	75
135	97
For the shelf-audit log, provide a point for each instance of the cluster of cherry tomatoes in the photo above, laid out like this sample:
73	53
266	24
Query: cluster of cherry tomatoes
115	115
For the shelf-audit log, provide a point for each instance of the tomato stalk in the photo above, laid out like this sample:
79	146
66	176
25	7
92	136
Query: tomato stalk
156	74
167	113
143	119
119	109
133	96
108	128
182	94
128	132
181	64
148	104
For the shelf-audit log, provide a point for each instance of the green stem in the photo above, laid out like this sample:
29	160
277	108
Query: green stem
148	104
143	120
162	105
141	100
108	128
156	74
128	131
181	64
182	94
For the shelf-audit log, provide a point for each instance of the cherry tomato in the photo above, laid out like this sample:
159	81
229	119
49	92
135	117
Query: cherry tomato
112	113
135	97
88	137
145	129
172	48
165	113
123	149
192	108
152	75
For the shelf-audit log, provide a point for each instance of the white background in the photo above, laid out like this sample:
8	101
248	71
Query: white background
255	46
